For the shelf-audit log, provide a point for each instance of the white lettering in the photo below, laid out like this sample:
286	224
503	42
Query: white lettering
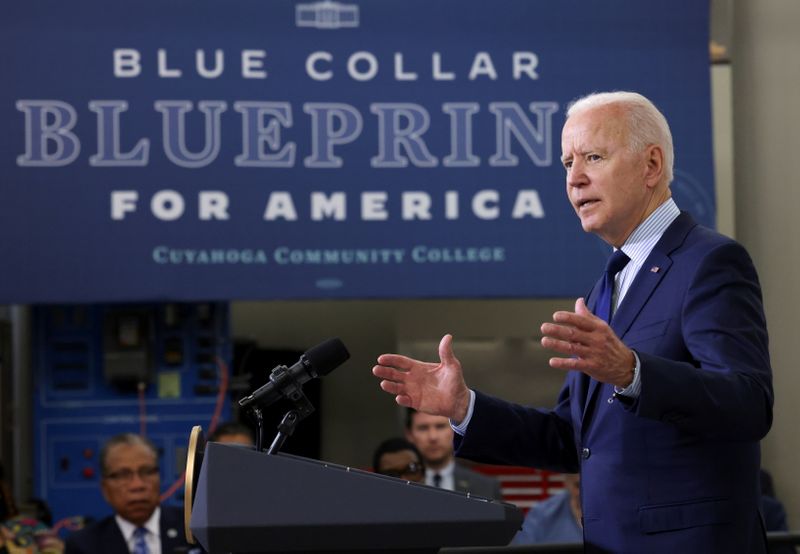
438	74
481	204
167	205
525	62
353	62
527	203
127	63
219	64
311	63
482	65
416	205
280	204
163	70
253	64
123	201
373	206
328	207
213	205
399	73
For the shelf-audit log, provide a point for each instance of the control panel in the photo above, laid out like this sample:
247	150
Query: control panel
100	370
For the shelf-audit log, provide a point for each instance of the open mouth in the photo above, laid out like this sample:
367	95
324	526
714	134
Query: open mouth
582	204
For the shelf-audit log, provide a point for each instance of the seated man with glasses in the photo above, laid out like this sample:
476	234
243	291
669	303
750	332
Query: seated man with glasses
131	485
399	458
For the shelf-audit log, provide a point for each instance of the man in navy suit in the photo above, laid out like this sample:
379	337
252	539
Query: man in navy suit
131	485
668	389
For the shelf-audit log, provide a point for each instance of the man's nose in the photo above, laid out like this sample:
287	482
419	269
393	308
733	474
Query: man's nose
576	176
137	481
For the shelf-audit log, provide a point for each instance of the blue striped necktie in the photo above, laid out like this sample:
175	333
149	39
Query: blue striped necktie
139	542
602	307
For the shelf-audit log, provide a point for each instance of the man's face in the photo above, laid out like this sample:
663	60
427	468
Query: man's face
131	483
610	187
236	438
433	436
403	464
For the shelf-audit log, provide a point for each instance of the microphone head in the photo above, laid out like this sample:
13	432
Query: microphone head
326	356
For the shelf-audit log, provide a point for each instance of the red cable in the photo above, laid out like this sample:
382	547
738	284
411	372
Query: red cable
142	410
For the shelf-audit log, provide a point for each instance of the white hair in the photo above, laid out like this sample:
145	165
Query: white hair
646	125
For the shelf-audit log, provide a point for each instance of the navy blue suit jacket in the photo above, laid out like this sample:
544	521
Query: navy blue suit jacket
105	537
676	470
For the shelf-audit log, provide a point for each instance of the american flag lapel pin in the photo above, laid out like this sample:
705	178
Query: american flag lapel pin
655	269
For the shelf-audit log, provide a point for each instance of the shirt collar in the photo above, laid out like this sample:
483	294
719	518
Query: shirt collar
445	472
644	238
152	525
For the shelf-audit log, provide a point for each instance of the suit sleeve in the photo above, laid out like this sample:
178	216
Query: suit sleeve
724	389
505	433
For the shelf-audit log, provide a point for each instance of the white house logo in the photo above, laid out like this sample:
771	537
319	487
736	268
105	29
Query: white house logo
326	15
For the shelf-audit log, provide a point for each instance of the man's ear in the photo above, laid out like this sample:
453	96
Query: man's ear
654	165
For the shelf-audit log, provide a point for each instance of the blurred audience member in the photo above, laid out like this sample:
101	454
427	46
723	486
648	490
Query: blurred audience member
399	458
433	436
773	512
232	432
20	534
131	485
555	520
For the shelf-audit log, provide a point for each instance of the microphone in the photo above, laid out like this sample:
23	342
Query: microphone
316	362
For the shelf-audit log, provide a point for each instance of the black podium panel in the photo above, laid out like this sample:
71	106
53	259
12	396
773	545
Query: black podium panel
247	501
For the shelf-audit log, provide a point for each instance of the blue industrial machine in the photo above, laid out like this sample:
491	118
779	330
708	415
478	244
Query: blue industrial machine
155	369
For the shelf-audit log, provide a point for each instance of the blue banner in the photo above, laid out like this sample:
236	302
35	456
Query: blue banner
246	149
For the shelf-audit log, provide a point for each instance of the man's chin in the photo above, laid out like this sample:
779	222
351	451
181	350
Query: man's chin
438	461
138	514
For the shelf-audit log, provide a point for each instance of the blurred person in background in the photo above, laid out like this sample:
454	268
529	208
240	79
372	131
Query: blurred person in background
232	432
131	485
556	519
20	534
433	436
399	458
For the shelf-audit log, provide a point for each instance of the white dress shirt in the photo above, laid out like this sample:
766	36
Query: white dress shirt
153	536
446	473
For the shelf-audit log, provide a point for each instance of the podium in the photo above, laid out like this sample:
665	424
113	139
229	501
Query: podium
248	501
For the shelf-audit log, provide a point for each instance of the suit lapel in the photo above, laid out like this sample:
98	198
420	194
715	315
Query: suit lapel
648	278
653	270
655	267
113	540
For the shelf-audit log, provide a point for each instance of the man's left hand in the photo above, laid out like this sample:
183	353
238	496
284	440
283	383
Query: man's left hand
591	345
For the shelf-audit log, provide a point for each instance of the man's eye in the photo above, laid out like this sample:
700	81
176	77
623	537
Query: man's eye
567	165
593	157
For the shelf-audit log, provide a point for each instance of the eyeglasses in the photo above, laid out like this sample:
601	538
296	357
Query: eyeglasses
411	469
126	475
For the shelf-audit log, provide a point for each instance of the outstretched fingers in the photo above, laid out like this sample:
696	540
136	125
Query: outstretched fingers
398	361
389	373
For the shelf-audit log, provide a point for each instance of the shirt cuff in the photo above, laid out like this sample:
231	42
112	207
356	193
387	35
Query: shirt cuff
635	388
461	428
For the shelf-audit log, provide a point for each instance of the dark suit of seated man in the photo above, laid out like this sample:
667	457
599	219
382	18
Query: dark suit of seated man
131	485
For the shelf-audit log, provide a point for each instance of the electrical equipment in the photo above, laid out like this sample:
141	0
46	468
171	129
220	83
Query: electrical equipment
108	369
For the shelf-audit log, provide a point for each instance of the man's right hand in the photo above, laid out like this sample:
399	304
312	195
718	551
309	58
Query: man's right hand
433	388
